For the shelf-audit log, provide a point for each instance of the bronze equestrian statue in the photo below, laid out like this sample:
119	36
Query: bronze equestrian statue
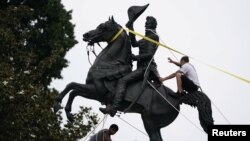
146	66
113	63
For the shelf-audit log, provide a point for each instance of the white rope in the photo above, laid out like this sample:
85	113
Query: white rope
164	97
105	116
175	107
133	126
105	119
195	70
160	92
162	42
148	65
152	56
103	127
217	108
156	50
221	113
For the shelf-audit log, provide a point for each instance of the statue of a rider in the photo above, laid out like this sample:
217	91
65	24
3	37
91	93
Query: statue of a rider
146	66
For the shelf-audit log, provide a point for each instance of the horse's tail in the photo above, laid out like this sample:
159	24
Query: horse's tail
203	104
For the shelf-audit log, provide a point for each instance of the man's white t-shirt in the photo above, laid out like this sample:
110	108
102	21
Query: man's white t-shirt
189	71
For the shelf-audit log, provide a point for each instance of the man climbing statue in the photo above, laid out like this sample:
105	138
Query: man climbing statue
146	66
186	76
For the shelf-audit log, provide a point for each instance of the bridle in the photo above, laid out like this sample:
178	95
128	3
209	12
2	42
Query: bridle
92	48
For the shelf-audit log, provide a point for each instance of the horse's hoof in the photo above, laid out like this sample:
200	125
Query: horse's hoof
70	117
56	107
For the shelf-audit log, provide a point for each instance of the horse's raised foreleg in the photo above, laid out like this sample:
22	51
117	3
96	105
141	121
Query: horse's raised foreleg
68	88
68	107
59	98
87	91
152	129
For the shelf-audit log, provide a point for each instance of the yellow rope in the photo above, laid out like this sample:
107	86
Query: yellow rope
117	34
228	73
211	66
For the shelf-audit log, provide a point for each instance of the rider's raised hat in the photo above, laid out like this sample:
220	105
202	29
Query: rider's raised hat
135	11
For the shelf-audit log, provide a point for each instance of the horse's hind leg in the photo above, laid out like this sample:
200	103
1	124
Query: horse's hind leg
152	129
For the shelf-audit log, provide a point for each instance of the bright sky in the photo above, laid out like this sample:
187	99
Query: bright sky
214	31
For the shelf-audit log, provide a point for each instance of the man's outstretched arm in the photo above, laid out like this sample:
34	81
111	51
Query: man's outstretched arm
170	76
174	62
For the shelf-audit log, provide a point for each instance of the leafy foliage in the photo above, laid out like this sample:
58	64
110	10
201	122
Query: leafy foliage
34	39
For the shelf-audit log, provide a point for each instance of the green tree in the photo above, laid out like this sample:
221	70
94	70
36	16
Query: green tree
34	38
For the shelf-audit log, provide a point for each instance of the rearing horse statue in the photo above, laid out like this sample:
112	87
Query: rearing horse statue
113	63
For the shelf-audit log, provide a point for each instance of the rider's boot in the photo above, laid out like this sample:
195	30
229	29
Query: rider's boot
116	104
109	110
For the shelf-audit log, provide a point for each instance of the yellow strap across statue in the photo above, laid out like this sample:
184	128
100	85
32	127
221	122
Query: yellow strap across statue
165	46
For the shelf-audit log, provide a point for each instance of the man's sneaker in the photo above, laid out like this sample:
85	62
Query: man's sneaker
181	93
175	95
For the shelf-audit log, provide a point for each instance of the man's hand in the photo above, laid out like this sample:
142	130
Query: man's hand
161	79
170	60
174	62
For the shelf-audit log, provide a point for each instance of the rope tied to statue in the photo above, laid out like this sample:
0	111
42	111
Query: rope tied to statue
206	64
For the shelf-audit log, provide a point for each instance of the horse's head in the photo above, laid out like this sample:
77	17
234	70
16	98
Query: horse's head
103	33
